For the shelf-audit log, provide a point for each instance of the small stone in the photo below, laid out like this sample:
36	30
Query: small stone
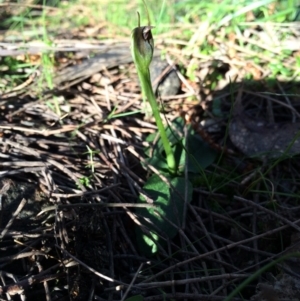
163	84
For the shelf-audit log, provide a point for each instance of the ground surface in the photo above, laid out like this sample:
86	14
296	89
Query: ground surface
73	129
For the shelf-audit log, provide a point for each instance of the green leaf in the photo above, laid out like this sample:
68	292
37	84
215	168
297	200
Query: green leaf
174	136
135	298
200	154
216	107
169	205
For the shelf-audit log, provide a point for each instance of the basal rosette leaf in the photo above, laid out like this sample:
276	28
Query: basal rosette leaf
169	204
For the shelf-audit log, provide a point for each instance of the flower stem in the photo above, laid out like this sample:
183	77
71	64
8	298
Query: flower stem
144	77
142	47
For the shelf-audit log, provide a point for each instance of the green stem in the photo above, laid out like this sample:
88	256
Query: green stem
142	47
144	76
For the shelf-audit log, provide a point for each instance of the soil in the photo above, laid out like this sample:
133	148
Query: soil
72	168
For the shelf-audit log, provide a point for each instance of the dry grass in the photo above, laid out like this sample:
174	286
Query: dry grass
72	146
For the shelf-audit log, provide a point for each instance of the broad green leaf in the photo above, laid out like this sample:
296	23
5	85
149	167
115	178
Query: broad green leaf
200	154
216	107
172	134
151	241
169	204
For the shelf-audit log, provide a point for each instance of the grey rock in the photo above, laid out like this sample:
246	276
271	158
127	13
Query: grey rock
164	84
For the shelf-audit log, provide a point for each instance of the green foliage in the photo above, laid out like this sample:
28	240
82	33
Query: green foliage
217	107
11	64
85	181
169	156
199	154
142	46
280	69
170	205
12	75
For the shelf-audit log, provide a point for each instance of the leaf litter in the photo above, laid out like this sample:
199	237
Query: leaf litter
75	171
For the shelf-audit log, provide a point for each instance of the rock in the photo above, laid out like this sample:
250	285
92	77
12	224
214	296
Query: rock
165	81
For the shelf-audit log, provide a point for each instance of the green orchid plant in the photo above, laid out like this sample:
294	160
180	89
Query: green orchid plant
142	49
169	156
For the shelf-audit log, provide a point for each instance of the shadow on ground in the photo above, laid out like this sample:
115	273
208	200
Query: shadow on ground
77	239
